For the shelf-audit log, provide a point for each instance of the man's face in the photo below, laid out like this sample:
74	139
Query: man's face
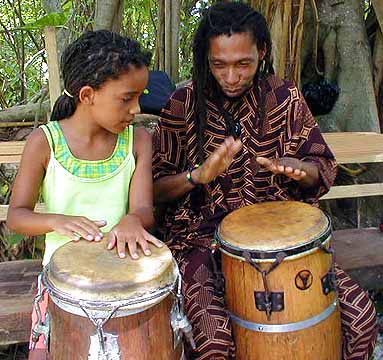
234	61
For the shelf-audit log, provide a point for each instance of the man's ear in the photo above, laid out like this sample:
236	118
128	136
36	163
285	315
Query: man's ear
86	95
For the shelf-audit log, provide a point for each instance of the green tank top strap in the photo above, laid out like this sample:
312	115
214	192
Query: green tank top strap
87	168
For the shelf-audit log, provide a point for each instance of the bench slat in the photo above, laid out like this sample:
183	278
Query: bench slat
348	147
354	191
10	151
4	210
356	147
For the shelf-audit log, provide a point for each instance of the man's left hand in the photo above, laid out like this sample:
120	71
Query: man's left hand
291	167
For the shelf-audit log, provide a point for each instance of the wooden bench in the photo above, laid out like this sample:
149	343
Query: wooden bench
10	151
17	289
357	147
358	251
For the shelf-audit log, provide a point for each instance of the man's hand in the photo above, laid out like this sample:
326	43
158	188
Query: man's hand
287	166
305	172
218	162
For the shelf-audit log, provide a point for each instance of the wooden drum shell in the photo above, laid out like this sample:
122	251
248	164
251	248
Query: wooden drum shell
142	336
308	326
321	341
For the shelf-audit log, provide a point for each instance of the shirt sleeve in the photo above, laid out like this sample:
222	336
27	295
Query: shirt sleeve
305	141
169	138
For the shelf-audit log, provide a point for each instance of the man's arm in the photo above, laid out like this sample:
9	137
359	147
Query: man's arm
307	158
172	187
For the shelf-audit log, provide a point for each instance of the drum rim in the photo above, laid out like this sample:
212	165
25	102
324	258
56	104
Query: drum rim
132	302
271	254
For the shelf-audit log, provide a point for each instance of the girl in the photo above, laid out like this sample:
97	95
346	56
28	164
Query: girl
93	167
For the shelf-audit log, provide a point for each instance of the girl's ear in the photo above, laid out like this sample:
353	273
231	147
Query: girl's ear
86	95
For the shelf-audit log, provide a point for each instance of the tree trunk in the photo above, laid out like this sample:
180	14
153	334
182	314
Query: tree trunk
160	41
175	31
108	15
378	73
54	6
24	112
168	36
356	108
378	7
171	37
28	113
279	30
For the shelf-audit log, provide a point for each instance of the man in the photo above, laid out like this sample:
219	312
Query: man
254	140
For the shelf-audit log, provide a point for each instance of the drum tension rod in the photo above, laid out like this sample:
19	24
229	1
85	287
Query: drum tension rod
267	301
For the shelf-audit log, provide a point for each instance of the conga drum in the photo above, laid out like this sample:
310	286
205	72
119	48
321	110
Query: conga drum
280	282
104	307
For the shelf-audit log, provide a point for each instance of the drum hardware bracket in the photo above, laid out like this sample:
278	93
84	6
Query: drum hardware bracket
329	282
40	328
179	321
277	302
218	275
268	301
321	246
111	349
103	346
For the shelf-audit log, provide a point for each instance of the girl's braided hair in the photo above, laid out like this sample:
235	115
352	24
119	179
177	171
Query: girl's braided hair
91	60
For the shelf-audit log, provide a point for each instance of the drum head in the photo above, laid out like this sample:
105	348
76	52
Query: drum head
88	271
272	227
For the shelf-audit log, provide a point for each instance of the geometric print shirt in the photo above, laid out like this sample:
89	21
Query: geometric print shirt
288	129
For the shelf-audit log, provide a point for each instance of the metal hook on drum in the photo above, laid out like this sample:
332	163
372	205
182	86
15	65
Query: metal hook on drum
178	320
41	327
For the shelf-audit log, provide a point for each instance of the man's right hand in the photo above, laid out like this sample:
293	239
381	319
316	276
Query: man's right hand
218	162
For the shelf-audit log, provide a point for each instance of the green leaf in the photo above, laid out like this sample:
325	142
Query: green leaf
4	189
52	19
15	239
68	6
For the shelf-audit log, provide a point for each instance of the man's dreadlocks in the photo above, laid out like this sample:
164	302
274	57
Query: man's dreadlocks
226	19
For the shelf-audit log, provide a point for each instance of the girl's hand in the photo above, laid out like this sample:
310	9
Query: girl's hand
77	227
217	162
130	232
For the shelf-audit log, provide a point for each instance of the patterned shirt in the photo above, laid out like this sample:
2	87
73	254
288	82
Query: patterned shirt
289	129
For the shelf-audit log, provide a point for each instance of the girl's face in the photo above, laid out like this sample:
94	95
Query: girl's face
116	102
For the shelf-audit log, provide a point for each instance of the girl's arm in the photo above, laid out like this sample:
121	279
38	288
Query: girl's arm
131	229
25	193
141	186
26	187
